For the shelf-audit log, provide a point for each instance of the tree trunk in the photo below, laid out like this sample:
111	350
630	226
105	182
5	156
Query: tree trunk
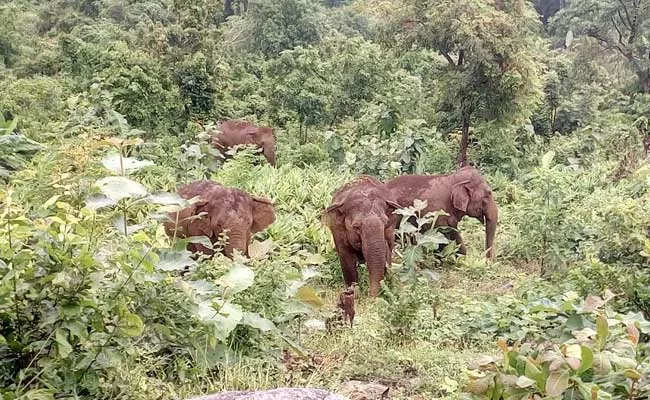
644	80
227	9
461	161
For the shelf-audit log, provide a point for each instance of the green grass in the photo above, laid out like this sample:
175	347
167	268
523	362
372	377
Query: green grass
348	360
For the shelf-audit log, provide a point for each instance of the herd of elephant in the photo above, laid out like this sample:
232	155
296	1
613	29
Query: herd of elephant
361	216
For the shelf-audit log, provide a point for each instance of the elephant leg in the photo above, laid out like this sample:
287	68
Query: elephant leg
455	236
348	259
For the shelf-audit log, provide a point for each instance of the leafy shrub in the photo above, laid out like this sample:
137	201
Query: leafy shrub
597	354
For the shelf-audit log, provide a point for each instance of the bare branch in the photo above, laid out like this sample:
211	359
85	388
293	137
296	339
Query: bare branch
461	57
620	35
449	59
627	14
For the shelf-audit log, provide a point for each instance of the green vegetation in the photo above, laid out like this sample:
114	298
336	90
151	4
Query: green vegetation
105	106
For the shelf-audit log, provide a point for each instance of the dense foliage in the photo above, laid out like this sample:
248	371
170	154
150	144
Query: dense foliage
106	106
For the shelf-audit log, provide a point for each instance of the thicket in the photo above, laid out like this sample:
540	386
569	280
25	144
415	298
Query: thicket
104	110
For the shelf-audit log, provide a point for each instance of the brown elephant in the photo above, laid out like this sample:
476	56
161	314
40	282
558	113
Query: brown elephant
460	193
362	223
227	209
235	132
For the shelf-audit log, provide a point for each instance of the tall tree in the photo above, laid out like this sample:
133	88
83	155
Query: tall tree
490	72
622	26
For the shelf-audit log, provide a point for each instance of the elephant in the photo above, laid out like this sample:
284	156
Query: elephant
237	132
460	193
227	209
362	223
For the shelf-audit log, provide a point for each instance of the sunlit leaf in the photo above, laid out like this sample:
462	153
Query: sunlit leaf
62	344
112	163
309	296
256	321
557	382
315	259
238	278
524	382
175	260
258	250
547	159
131	325
119	187
118	223
98	201
602	331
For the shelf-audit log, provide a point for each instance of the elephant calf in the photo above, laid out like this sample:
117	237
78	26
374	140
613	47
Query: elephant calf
227	209
235	132
460	193
362	223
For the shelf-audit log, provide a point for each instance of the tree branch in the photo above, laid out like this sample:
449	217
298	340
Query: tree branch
461	57
620	35
449	59
629	20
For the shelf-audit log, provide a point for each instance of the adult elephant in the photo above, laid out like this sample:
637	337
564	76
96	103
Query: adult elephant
362	223
236	132
225	209
460	193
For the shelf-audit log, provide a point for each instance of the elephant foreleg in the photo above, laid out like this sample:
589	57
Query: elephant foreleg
456	237
348	259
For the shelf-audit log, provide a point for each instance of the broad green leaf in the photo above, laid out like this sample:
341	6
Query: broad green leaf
602	331
587	359
225	320
118	223
119	187
569	38
98	201
315	259
524	382
50	201
419	205
547	159
258	250
3	340
309	296
574	351
256	321
479	386
202	287
175	260
112	163
166	199
557	382
238	278
602	364
62	343
533	372
632	374
131	325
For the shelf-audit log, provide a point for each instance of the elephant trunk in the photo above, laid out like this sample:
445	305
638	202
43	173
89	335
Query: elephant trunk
375	252
491	218
269	153
237	239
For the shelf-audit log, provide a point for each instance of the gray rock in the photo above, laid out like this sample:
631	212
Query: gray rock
274	394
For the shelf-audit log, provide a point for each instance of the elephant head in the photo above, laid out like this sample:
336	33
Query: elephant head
362	223
471	195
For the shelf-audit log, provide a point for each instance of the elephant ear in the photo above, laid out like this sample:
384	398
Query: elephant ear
263	213
333	215
460	195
